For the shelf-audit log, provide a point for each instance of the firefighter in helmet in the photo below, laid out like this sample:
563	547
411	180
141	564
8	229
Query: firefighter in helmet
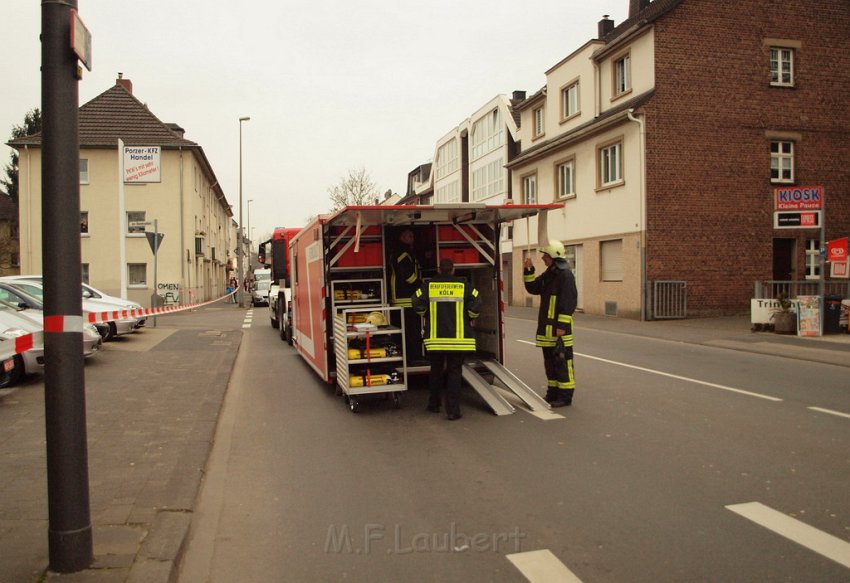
558	297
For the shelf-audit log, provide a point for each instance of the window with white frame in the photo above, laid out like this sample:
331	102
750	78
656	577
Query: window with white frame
539	122
813	259
447	159
529	189
448	192
781	66
566	179
84	222
488	134
569	101
135	217
611	164
611	259
84	171
781	161
84	267
137	274
622	75
489	180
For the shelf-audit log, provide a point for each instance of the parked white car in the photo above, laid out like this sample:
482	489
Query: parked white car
31	307
14	325
107	330
89	292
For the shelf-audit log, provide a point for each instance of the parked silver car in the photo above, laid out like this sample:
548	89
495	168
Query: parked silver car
260	293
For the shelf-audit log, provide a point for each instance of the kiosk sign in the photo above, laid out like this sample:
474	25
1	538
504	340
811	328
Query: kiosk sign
798	198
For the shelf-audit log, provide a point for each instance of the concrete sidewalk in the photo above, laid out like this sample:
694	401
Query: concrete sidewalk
150	431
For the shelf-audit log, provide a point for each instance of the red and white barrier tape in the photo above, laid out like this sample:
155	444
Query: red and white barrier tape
75	324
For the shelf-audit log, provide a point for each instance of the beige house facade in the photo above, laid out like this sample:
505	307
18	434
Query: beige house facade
168	186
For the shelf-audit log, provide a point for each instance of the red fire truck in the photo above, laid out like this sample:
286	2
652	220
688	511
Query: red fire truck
275	254
343	325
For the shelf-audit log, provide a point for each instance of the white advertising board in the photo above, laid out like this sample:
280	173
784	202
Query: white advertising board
141	164
762	310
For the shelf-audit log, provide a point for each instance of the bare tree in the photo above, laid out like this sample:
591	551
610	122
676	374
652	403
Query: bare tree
355	189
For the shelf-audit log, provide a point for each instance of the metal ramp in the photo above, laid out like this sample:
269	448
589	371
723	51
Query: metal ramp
487	391
490	393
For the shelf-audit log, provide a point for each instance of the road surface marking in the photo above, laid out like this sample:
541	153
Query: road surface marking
249	316
672	376
542	567
830	412
816	540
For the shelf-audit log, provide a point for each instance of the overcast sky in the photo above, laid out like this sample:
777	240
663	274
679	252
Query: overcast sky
329	85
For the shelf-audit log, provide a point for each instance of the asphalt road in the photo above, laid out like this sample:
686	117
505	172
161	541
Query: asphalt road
676	462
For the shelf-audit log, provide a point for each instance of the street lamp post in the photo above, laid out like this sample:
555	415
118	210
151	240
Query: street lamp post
239	251
250	239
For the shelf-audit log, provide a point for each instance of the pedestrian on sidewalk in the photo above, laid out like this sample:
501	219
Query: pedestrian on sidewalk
450	305
558	298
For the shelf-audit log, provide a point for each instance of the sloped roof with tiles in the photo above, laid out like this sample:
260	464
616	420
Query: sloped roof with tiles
115	114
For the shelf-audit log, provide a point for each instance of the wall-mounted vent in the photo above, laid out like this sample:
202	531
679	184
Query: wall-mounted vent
610	308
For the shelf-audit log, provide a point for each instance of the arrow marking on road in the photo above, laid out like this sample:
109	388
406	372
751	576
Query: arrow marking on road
542	567
816	540
672	376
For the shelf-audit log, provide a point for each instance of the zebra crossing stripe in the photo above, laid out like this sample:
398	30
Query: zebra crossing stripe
801	533
542	566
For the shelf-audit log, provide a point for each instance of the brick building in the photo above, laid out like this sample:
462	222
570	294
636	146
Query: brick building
666	137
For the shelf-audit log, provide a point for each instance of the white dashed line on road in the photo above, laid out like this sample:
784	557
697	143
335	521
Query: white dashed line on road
829	412
542	567
801	533
672	376
249	317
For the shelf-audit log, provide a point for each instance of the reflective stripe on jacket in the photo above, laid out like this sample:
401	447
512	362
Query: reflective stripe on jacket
404	278
450	304
558	297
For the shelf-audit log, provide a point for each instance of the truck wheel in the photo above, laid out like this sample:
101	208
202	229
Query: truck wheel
288	334
275	322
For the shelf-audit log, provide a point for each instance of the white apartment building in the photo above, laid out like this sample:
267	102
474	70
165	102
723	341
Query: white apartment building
174	186
581	147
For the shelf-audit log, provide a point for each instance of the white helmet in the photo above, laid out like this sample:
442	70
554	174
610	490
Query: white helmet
555	250
376	319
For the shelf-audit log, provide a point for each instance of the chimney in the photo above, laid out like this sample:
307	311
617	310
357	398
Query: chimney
176	129
518	96
125	83
606	25
635	6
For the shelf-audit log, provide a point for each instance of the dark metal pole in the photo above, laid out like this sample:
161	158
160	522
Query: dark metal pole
69	529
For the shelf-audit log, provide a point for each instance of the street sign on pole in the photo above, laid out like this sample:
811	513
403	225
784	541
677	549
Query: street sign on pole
154	240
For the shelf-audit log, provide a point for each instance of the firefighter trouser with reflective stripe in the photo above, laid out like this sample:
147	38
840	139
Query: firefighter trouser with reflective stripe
561	382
